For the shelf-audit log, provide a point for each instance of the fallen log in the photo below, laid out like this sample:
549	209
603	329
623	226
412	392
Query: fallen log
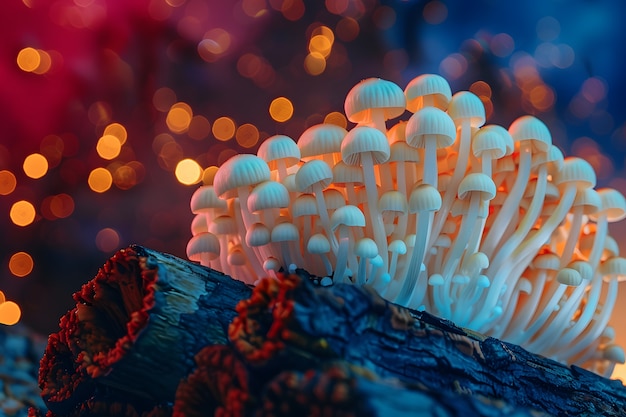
158	335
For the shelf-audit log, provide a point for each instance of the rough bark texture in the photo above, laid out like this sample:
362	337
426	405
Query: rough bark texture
190	340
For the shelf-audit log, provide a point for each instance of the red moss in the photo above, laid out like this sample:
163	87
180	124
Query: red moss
219	386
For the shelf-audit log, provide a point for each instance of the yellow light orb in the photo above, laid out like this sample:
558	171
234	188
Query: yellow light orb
223	128
21	264
179	118
117	130
22	213
100	180
281	109
10	313
188	172
28	59
108	147
35	165
7	182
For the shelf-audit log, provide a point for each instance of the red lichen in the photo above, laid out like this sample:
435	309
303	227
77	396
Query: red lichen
219	386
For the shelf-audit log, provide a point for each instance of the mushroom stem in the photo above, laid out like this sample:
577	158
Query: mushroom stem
324	219
240	219
414	268
380	237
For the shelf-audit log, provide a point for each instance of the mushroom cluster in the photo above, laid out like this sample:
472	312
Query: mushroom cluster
489	227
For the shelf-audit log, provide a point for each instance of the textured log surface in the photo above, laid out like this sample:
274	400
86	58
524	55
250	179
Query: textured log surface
156	335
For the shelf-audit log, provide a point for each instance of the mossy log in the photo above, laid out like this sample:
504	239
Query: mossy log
152	334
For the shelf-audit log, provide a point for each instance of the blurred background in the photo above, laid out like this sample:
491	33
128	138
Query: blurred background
112	111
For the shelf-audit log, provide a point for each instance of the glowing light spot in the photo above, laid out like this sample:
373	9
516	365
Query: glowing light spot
435	12
593	89
215	43
199	127
223	128
117	130
247	135
124	177
179	117
254	8
21	264
10	313
45	62
8	182
62	205
100	180
108	147
107	240
347	29
324	31
502	45
171	153
337	6
209	174
453	66
336	118
28	59
481	89
314	63
22	213
281	109
163	99
35	165
188	172
320	44
292	9
542	97
2	299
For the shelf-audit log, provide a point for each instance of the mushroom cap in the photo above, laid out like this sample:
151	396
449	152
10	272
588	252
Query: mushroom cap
490	141
531	128
397	246
236	257
279	147
430	122
268	195
258	235
569	276
589	200
584	269
427	85
223	225
424	197
201	245
465	105
554	158
364	139
613	204
614	353
271	264
284	232
320	139
344	174
494	129
317	244
401	151
613	268
392	201
547	260
333	198
205	199
366	248
374	94
396	133
347	215
578	171
477	183
198	224
241	170
313	173
304	205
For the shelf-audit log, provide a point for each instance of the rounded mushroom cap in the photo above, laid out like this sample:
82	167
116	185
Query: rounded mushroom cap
313	173
205	199
241	170
553	158
201	245
568	276
304	205
613	268
577	171
284	232
397	246
348	215
279	147
366	248
432	85
506	137
614	353
396	133
364	139
333	199
258	235
433	123
320	139
344	174
424	197
584	269
317	244
223	225
465	105
236	257
589	200
489	141
530	128
198	224
613	204
401	151
268	195
392	201
477	183
374	94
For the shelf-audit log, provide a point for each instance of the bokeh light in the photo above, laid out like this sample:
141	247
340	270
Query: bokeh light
8	182
21	264
188	172
35	165
22	213
281	109
108	147
107	240
10	313
223	128
100	180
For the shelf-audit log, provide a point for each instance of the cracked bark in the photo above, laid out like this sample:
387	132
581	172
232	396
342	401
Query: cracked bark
293	339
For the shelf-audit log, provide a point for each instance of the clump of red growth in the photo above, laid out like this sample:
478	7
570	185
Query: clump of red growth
219	386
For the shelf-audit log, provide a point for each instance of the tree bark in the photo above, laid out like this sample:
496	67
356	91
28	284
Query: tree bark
161	334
